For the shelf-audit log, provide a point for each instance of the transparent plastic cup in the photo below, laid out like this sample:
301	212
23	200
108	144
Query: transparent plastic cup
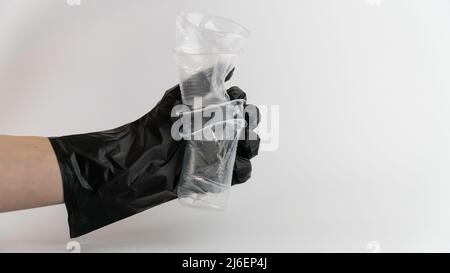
210	155
206	51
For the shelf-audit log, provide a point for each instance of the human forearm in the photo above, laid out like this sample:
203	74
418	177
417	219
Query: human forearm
29	173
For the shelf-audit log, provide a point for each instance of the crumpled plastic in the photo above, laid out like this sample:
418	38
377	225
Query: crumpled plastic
206	51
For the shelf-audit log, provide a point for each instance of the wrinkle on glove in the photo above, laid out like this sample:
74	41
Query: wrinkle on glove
110	175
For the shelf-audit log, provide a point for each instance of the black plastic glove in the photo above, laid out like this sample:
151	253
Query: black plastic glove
111	175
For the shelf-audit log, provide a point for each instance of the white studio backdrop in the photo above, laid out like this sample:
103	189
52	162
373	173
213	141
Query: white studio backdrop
364	142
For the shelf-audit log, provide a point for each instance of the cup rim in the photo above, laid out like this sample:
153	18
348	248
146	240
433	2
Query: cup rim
223	53
245	32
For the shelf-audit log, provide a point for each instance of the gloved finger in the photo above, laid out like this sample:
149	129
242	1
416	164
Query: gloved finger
171	98
248	146
252	115
242	170
236	93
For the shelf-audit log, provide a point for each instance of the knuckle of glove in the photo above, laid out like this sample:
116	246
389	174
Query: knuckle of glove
242	170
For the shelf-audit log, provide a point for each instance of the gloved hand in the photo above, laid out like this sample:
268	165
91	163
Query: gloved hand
111	175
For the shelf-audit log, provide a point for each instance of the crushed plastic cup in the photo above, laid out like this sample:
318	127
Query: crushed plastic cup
206	51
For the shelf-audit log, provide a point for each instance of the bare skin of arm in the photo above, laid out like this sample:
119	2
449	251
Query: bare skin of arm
29	173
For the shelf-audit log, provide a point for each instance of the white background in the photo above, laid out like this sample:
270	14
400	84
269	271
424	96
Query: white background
364	93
